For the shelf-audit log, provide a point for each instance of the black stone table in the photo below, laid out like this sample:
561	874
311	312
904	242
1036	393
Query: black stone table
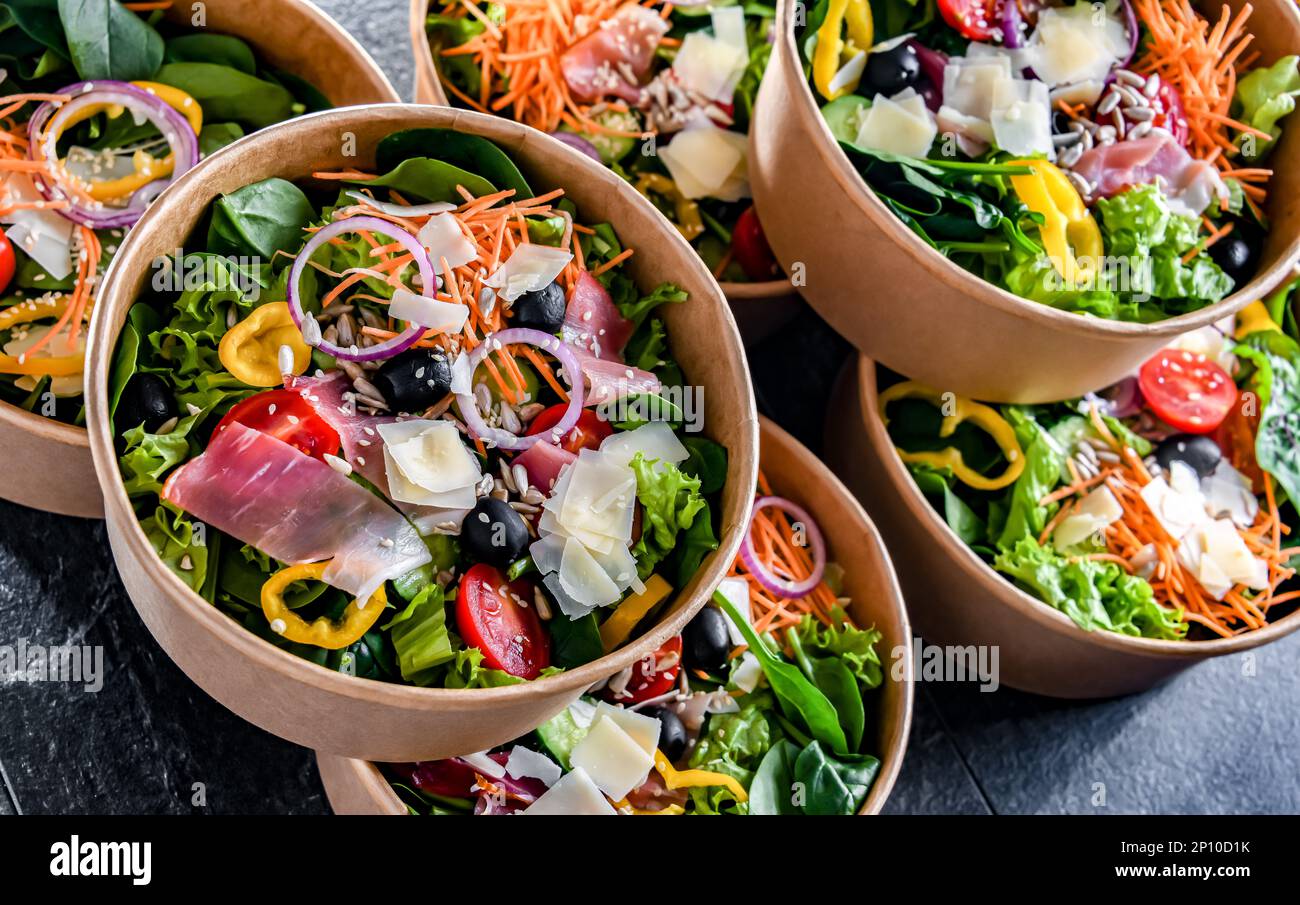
1221	738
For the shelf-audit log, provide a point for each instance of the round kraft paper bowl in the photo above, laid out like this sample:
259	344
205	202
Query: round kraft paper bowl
955	598
49	463
306	703
358	787
908	307
760	308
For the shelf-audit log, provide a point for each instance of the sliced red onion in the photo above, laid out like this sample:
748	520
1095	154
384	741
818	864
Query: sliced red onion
547	343
1120	400
399	343
46	126
776	585
578	143
1131	23
1012	37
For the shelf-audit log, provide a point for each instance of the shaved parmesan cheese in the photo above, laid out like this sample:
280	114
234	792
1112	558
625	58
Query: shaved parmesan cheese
1086	93
729	27
402	490
1228	493
708	162
747	675
736	590
1177	512
574	794
525	762
529	268
429	455
711	66
655	441
1224	544
969	85
444	317
44	235
1098	509
441	235
1022	118
897	128
612	758
1072	44
599	497
485	765
642	729
582	577
849	74
462	375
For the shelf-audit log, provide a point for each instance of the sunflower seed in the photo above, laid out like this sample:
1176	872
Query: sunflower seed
1082	185
1108	103
1152	86
521	479
1065	139
1140	114
1141	130
1129	77
1070	156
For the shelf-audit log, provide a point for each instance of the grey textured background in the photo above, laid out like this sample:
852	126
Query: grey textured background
1222	738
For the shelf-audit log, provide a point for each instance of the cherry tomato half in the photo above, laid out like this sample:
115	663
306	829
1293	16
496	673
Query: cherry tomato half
750	249
588	433
510	636
8	263
975	19
1186	390
648	680
286	416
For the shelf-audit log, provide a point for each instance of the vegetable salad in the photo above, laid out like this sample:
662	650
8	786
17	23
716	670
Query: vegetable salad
1107	159
101	107
661	93
1162	507
433	445
759	707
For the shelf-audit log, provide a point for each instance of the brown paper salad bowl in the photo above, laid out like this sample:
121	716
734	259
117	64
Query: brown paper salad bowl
910	307
231	61
864	578
956	598
493	584
761	305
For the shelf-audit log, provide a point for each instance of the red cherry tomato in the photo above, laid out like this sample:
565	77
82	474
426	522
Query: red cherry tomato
648	679
1186	390
8	262
510	636
750	249
975	19
588	433
286	416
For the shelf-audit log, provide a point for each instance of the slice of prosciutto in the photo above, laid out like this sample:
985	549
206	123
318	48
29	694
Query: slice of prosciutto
614	59
608	381
592	322
1189	184
296	509
544	461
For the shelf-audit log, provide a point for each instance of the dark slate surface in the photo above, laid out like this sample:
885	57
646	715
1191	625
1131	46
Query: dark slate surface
1221	738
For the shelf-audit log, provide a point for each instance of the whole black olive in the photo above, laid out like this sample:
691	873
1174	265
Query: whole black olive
145	400
1197	451
414	380
1238	252
541	310
494	533
705	640
1061	122
672	732
890	71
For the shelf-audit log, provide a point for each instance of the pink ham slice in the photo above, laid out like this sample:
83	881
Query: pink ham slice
1189	184
594	66
543	461
296	509
362	446
592	322
611	380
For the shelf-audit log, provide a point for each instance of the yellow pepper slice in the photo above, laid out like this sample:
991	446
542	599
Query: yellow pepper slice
358	618
683	779
615	629
40	365
147	167
1070	234
1254	318
30	310
671	810
689	223
250	350
963	410
832	51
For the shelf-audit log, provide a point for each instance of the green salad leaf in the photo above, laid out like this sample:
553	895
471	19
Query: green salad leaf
228	94
108	41
260	219
1264	96
1276	379
734	744
420	636
671	502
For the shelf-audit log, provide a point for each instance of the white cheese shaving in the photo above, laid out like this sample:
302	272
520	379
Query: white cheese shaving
736	590
897	127
655	441
432	314
430	456
441	235
708	162
575	794
1070	45
529	268
616	763
44	235
711	66
642	729
524	763
747	675
485	765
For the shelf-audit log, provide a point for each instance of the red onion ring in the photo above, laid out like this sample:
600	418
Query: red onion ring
1011	22
46	126
1120	400
779	586
399	343
932	64
547	343
578	143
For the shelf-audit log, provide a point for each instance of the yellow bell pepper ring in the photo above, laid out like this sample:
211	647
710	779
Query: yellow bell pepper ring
962	410
683	779
250	350
1254	318
358	618
1070	234
689	222
615	630
832	51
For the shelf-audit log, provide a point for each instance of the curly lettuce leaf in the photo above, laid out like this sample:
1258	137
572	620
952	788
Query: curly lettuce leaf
852	646
1277	381
1266	95
734	744
1043	466
420	636
671	502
